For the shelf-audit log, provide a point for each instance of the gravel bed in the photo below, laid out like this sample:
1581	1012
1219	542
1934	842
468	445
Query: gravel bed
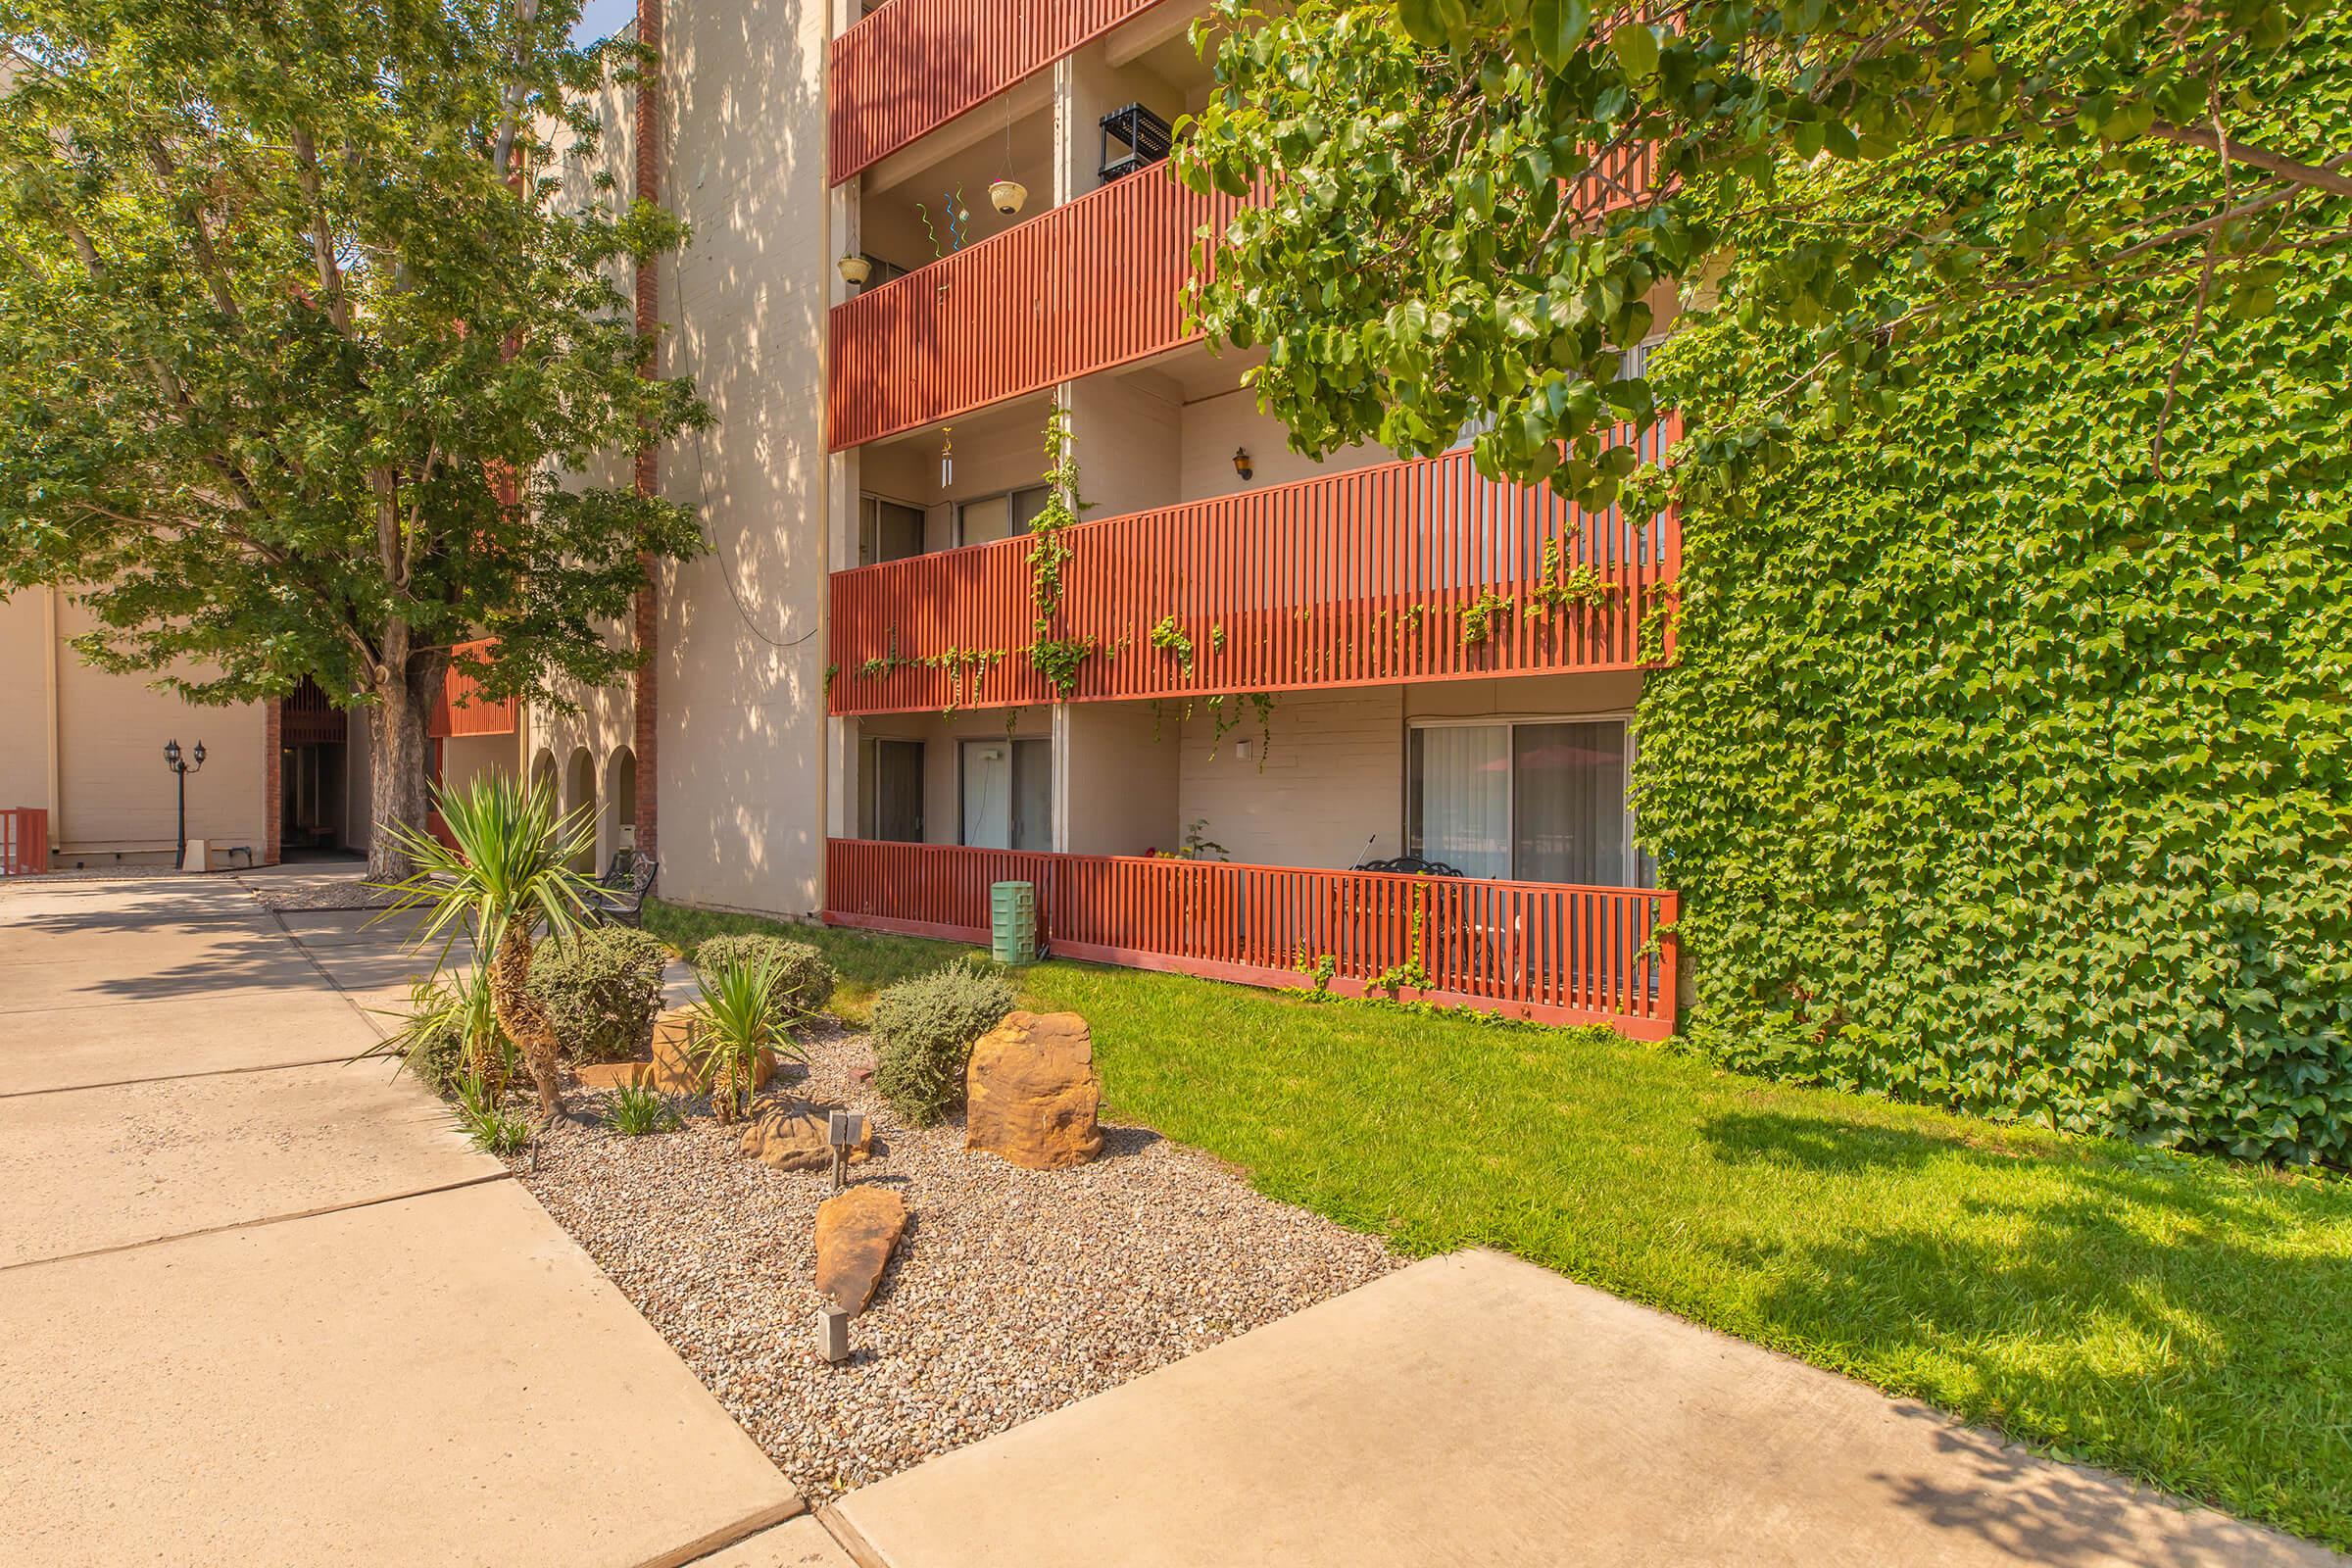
1013	1293
345	889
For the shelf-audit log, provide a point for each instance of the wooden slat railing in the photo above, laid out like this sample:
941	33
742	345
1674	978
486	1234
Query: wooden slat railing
24	841
462	709
914	64
1094	283
1534	949
1355	578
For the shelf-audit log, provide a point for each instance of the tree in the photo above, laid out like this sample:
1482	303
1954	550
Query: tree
302	328
1471	203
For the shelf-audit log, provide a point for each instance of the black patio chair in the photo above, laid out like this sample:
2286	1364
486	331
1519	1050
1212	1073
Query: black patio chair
1408	866
617	897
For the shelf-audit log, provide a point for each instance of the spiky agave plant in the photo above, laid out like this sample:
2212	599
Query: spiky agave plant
508	881
741	1012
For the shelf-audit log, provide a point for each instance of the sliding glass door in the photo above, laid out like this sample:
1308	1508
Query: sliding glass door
1533	801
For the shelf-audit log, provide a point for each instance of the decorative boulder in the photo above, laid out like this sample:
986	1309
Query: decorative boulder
791	1135
1032	1092
673	1070
856	1231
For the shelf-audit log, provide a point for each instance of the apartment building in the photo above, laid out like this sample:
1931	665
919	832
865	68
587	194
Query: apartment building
1332	717
1356	717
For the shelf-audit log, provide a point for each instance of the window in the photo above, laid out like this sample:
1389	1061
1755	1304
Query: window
879	272
977	523
888	530
890	805
1536	800
1007	795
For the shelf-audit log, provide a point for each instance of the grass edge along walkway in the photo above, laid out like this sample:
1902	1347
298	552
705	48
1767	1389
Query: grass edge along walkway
2181	1320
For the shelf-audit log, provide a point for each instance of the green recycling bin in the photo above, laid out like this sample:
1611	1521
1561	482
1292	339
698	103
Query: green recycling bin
1012	922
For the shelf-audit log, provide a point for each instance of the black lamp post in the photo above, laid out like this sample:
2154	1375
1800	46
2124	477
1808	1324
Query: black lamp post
172	760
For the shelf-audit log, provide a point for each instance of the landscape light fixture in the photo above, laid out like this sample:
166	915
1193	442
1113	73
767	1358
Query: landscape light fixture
843	1131
180	770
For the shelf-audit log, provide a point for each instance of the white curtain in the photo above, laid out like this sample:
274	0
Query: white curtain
1461	797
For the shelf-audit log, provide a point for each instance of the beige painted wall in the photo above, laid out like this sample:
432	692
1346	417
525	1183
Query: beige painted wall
25	699
1334	776
1126	432
1117	787
1212	427
742	775
115	793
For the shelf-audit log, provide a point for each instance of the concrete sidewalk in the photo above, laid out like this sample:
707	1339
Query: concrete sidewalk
267	1307
1475	1409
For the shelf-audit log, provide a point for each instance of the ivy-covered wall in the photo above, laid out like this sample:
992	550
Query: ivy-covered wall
2005	765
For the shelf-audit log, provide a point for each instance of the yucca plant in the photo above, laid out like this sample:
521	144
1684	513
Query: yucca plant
451	1029
741	1012
483	1117
507	882
634	1110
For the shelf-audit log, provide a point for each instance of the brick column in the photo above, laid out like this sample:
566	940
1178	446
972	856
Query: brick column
273	806
647	619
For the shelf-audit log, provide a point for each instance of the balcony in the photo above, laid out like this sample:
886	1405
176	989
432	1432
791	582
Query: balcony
1543	951
1092	285
913	64
461	708
1401	571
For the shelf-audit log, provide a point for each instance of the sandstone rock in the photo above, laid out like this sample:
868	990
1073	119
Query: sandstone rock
855	1232
1033	1092
791	1135
613	1074
672	1069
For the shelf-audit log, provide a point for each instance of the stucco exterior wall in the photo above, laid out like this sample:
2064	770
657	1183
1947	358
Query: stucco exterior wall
24	698
742	655
1214	426
116	797
1117	790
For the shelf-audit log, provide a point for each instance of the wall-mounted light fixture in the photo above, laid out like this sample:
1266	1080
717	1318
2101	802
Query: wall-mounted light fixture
1242	464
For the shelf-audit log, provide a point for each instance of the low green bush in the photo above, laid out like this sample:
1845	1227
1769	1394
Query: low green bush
604	987
923	1034
805	981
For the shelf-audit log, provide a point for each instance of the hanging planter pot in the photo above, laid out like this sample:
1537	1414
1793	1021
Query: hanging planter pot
855	269
1007	196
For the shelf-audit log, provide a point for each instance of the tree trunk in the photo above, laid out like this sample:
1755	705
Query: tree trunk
399	763
523	1016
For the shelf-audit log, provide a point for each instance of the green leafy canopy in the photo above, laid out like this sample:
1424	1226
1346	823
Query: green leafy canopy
1471	209
308	305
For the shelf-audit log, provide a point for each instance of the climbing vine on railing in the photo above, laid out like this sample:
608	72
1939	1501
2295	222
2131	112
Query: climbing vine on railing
1170	637
1057	659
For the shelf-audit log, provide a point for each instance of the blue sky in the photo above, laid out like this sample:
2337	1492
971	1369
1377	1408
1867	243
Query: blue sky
601	18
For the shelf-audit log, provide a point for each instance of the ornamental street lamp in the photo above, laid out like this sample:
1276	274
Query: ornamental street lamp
172	760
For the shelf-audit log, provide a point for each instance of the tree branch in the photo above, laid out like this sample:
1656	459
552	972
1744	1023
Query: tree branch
2320	176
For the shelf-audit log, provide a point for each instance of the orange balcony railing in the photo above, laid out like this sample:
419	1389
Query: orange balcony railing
1534	949
914	64
1420	571
462	709
24	841
1094	283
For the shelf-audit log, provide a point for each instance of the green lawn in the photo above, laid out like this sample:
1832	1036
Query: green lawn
2185	1320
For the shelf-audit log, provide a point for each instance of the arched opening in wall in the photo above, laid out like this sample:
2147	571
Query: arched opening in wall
543	773
620	800
579	805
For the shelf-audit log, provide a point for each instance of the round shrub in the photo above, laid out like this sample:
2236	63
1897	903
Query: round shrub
923	1034
804	980
604	987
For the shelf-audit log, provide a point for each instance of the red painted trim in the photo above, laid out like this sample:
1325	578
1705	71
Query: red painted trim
912	65
1348	579
1546	951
